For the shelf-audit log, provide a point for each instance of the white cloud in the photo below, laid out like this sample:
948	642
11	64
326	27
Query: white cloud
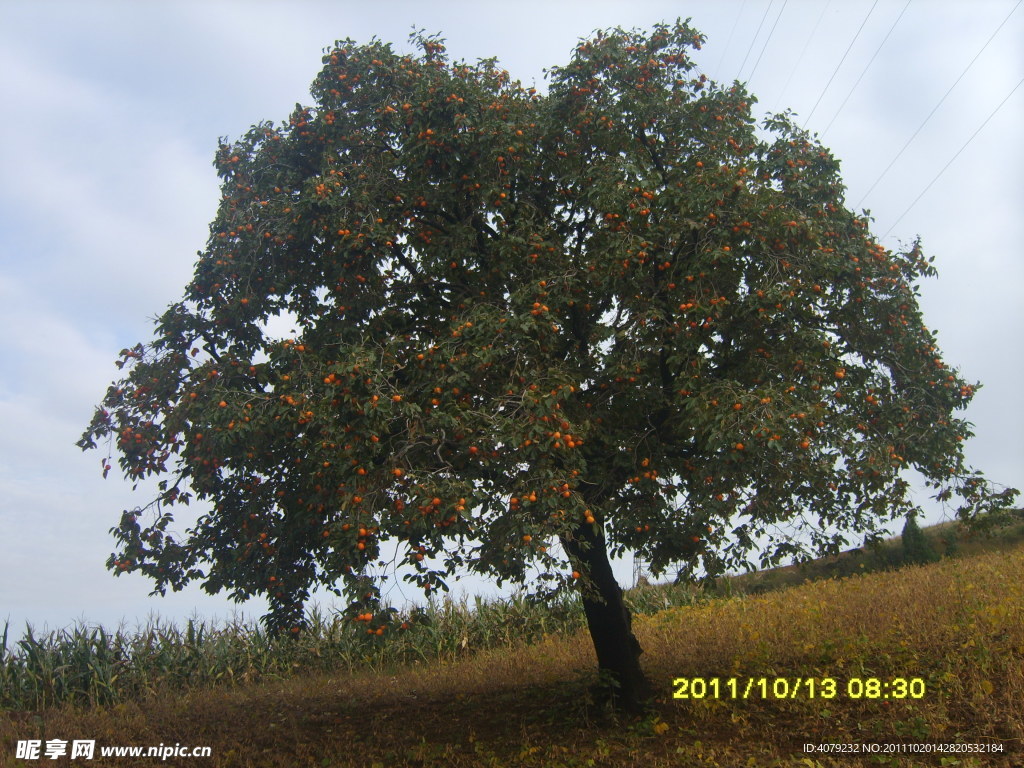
110	200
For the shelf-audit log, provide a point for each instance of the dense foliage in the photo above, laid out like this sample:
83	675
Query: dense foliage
615	309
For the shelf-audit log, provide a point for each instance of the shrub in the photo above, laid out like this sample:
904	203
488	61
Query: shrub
916	546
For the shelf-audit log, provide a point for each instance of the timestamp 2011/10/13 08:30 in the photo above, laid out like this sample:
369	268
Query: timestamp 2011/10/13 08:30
797	687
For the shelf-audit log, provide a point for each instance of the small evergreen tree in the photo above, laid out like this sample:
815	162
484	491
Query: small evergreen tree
951	544
916	546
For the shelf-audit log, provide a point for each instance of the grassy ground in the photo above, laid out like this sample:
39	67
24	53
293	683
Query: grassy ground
957	625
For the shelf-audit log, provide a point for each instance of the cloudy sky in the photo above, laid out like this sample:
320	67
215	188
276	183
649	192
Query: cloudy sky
112	111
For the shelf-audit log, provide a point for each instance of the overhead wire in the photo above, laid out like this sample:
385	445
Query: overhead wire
731	33
867	67
803	51
758	32
954	157
935	108
767	40
840	64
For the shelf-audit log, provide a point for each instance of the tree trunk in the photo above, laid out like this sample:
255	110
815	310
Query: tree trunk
610	624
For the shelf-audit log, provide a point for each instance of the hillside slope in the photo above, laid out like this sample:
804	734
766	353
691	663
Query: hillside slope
956	626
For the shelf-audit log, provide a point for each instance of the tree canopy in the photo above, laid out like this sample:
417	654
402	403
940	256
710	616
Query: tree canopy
529	326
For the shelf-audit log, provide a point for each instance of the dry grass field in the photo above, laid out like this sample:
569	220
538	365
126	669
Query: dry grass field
957	626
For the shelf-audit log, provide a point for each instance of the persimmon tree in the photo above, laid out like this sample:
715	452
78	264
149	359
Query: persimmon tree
533	331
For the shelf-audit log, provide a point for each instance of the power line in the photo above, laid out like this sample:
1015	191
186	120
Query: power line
766	40
954	157
840	64
929	117
763	17
803	51
867	67
731	33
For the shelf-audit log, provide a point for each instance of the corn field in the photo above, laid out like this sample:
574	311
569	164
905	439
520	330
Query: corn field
94	666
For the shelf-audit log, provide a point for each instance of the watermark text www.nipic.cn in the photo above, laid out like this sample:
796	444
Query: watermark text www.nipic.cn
85	749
